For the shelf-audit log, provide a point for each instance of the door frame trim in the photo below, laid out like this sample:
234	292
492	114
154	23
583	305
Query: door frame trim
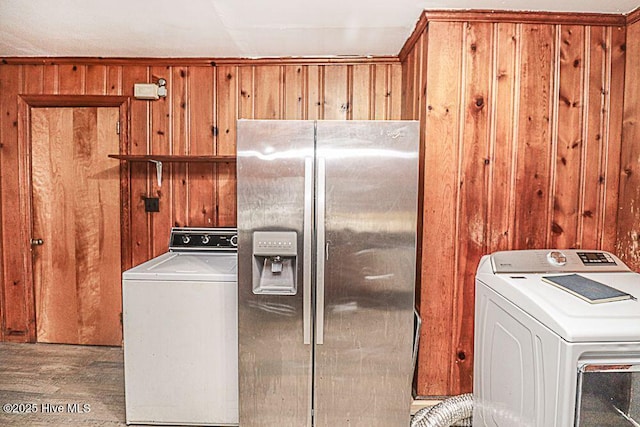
25	105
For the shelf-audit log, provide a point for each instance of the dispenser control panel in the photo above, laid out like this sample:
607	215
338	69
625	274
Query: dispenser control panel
281	243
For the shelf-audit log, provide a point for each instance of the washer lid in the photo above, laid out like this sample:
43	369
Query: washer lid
570	317
187	266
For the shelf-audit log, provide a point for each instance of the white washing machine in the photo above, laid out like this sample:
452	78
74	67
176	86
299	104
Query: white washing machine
545	357
181	333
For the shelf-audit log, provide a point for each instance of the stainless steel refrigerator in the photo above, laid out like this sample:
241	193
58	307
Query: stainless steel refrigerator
327	214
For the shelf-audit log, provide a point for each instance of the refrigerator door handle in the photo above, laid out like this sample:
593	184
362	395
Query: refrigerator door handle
306	255
321	250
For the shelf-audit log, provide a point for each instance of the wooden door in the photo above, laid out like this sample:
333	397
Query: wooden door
76	213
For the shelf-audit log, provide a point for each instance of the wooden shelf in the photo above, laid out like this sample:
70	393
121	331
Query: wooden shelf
173	158
168	158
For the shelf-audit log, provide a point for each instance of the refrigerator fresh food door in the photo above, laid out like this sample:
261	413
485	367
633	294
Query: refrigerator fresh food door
366	178
275	185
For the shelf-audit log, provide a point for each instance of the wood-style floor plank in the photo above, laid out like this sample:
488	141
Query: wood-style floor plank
44	376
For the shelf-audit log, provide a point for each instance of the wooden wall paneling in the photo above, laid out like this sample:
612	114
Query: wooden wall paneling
408	90
336	92
294	85
15	325
227	90
114	80
227	111
315	92
33	79
628	236
268	92
442	124
533	171
613	118
594	176
246	96
473	195
160	143
395	104
71	79
362	92
422	112
50	79
571	144
139	140
202	186
504	133
96	80
381	91
180	140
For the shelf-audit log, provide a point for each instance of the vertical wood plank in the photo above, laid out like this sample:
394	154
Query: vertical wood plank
13	233
504	133
362	92
381	91
315	92
246	97
473	194
267	92
442	124
96	80
408	91
227	103
614	116
336	98
395	105
294	99
628	233
160	134
534	136
598	44
139	143
571	143
114	80
33	79
227	110
202	186
71	78
180	140
50	79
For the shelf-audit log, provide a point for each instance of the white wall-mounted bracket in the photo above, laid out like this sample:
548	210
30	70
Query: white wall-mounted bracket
158	164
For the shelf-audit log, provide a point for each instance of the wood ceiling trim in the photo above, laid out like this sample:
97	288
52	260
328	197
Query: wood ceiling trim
200	62
519	17
633	17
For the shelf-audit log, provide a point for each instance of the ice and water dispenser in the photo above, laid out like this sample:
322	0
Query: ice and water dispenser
275	262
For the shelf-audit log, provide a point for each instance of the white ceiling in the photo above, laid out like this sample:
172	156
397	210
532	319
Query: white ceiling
235	28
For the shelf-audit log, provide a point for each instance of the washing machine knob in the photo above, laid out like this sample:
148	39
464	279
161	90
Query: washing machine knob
234	240
186	239
556	258
205	239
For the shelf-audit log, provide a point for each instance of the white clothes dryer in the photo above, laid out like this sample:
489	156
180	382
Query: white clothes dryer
545	356
181	333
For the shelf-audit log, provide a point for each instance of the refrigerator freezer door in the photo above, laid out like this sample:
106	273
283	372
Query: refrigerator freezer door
363	368
274	363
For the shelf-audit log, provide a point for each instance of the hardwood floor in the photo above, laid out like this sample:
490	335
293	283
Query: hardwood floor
61	385
54	382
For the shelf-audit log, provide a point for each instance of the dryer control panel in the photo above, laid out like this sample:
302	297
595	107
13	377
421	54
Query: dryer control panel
203	239
556	261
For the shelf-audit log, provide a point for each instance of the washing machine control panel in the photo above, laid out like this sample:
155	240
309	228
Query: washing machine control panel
555	261
595	258
203	239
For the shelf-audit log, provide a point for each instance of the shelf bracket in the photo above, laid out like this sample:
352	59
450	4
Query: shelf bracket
158	164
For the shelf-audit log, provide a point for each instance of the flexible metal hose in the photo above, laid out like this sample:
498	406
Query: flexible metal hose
454	410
